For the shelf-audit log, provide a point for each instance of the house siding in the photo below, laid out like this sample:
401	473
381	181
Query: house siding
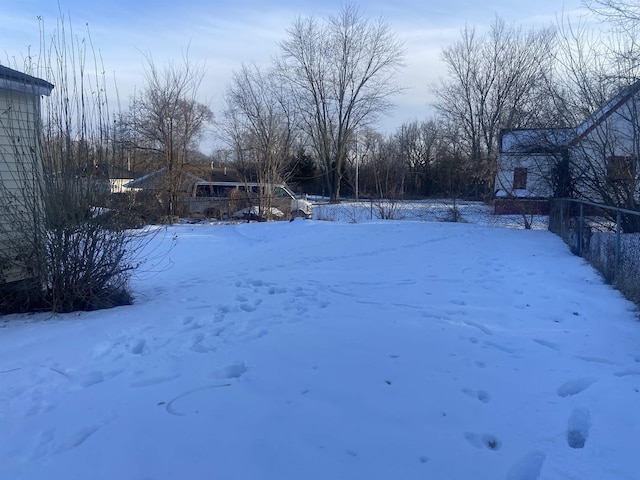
538	168
612	132
20	172
617	135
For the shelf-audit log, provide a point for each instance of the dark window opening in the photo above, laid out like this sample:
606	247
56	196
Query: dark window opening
519	178
620	169
203	191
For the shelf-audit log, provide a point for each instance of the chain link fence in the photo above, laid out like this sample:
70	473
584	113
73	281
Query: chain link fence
607	237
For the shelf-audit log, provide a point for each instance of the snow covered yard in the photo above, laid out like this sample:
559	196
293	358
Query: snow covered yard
317	350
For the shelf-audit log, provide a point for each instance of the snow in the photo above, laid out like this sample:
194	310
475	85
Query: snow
332	350
425	210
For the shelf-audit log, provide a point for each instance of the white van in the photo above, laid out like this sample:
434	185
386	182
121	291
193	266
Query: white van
245	200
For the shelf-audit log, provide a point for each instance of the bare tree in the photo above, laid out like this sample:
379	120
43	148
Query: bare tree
621	44
418	144
342	72
260	121
621	12
496	81
597	90
168	121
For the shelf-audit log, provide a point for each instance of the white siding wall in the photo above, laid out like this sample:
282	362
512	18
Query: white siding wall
538	175
615	136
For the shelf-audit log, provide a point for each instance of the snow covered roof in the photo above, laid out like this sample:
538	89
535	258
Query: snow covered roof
541	140
545	140
21	82
606	110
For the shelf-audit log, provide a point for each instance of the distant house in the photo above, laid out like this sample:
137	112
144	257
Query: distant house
600	155
20	157
118	178
526	160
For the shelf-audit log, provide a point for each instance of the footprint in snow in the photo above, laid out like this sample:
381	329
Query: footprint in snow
486	440
221	313
527	468
91	378
198	345
574	387
234	370
481	395
138	347
498	346
546	343
191	326
48	444
277	290
589	359
77	439
578	427
247	307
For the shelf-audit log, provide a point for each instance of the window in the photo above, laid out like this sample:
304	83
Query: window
249	190
281	192
620	169
519	178
203	191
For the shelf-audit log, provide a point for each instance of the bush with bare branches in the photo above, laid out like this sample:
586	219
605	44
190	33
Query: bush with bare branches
63	249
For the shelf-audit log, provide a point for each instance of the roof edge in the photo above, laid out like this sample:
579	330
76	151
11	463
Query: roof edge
11	79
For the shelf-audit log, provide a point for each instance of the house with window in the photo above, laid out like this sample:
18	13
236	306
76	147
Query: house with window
528	163
20	162
606	151
597	160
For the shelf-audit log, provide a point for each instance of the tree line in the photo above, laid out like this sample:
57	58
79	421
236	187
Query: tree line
310	116
307	118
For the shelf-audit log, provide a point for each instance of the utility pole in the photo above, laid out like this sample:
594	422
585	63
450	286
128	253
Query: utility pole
357	166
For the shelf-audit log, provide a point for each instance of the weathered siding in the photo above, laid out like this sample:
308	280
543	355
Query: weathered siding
20	170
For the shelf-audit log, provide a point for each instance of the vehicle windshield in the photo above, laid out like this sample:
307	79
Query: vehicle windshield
283	192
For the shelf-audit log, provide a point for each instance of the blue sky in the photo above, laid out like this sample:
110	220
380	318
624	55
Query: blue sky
224	34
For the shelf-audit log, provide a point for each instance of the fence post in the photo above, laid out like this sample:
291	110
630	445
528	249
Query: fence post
580	229
618	244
